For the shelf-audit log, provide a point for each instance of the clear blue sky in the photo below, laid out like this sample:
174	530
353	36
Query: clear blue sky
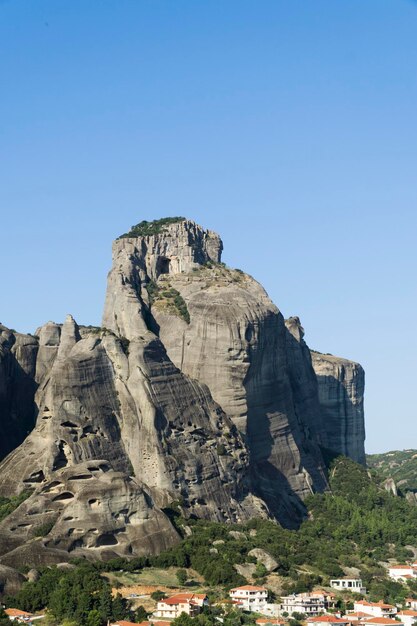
288	126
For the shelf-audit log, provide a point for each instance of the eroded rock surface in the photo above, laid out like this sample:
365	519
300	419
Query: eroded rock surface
194	391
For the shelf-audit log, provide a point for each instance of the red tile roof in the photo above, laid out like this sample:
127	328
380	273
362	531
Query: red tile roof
183	598
382	620
331	619
249	588
380	604
17	613
410	613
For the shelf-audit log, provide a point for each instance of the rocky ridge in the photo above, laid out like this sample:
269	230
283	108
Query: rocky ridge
194	391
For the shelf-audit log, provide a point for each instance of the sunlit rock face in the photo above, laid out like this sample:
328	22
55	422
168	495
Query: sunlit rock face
195	390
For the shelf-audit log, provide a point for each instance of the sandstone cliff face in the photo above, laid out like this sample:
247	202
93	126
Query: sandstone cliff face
341	385
126	407
18	354
235	343
194	391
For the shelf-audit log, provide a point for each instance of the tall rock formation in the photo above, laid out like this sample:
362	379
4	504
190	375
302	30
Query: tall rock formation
220	328
341	385
194	391
18	354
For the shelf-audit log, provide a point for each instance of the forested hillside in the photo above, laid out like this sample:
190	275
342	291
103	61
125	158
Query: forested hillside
400	465
356	525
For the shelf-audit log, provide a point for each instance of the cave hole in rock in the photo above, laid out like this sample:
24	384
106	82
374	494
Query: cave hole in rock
61	459
89	430
35	477
78	543
162	265
53	486
66	495
69	424
80	477
33	512
107	539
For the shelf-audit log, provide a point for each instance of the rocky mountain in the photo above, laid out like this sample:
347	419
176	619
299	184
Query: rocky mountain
195	390
398	471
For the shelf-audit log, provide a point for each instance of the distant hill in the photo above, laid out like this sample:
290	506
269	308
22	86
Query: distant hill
400	465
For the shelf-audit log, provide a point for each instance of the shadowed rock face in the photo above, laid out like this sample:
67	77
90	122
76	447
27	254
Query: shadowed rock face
195	391
341	385
17	387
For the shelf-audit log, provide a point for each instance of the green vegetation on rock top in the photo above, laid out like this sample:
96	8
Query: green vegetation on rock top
166	298
145	228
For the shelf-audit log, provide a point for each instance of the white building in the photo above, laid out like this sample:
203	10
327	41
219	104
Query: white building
189	603
409	617
411	604
402	572
327	620
310	604
16	615
348	584
382	621
376	609
250	598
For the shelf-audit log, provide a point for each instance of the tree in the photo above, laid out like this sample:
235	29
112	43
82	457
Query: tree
140	614
260	570
119	608
94	618
158	595
182	576
183	620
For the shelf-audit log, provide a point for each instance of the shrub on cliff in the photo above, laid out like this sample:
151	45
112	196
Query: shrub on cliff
146	229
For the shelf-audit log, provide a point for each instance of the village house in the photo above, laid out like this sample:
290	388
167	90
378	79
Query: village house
348	584
376	609
327	620
411	603
408	617
402	572
381	621
249	598
310	604
16	615
189	603
358	616
123	622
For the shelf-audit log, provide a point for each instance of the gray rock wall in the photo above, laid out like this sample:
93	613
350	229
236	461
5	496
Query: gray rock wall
195	391
341	386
